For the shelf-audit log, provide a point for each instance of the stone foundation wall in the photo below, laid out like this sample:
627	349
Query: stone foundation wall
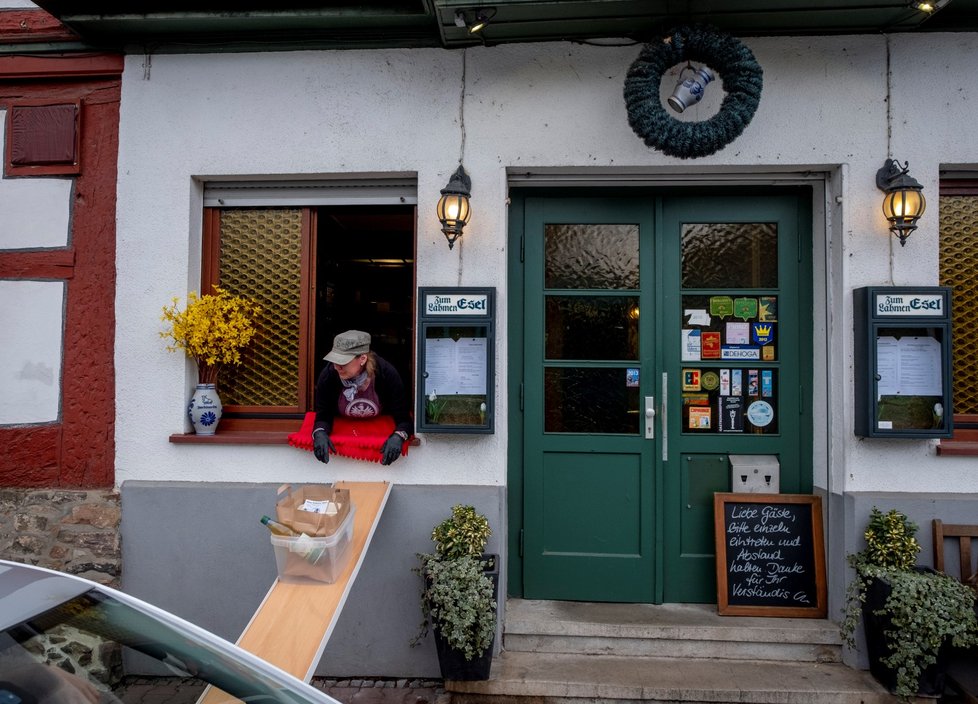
73	531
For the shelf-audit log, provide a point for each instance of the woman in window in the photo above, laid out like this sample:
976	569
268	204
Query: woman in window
361	386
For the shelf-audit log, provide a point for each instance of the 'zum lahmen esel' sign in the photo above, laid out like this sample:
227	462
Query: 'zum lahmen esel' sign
450	303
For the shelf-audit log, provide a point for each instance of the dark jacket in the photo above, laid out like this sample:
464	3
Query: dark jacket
390	392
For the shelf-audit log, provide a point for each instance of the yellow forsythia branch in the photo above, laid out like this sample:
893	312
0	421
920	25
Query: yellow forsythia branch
212	329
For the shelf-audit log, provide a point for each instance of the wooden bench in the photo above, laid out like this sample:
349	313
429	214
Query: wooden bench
293	623
962	672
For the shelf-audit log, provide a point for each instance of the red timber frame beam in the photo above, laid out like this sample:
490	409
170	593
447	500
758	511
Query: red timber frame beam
77	450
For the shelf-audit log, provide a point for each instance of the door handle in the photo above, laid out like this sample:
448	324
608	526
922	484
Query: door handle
650	417
664	416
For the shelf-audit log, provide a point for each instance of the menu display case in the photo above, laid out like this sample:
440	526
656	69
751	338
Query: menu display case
903	362
455	360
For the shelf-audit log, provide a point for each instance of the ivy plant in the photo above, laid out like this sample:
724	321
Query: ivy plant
465	532
458	601
458	598
927	609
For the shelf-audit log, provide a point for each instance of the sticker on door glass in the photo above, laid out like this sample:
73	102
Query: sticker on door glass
691	379
631	378
760	413
731	414
691	345
700	418
710	380
740	352
762	333
721	306
768	312
736	382
710	345
738	333
697	316
745	308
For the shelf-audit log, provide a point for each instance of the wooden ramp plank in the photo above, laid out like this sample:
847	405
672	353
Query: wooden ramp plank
293	623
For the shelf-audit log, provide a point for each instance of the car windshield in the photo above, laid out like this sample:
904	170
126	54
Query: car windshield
95	649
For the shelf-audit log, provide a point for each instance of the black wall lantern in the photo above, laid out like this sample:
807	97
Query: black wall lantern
453	206
904	201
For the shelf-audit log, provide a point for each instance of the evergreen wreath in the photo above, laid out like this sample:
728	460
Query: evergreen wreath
742	82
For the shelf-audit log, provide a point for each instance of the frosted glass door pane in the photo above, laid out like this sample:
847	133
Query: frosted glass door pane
730	255
591	256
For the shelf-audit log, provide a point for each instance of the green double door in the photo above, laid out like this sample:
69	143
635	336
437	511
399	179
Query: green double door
659	334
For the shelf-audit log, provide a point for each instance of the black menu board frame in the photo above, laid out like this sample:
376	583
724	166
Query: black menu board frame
776	562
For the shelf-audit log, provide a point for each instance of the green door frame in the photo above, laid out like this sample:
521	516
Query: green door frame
515	308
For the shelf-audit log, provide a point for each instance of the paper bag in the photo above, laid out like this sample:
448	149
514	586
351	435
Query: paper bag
298	508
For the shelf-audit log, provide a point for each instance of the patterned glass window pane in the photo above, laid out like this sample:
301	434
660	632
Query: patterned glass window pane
260	258
590	401
589	327
959	269
730	255
591	256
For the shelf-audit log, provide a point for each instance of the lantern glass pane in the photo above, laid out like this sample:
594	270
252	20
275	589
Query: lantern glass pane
903	205
453	208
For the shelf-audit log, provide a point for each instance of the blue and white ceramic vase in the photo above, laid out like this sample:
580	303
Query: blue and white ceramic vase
205	409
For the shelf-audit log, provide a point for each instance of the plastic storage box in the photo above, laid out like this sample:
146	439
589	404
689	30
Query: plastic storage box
306	559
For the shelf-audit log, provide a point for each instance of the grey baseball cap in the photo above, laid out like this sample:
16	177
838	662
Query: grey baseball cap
348	345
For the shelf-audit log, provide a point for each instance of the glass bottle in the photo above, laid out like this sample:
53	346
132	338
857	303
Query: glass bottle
278	528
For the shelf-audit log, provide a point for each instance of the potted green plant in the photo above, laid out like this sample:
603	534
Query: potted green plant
911	615
458	595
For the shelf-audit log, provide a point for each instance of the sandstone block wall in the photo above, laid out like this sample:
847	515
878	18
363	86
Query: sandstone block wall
73	531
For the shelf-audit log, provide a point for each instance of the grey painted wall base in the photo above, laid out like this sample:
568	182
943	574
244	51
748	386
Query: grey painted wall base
198	550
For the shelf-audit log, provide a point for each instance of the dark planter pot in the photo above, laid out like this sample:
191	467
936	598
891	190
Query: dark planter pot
931	683
453	664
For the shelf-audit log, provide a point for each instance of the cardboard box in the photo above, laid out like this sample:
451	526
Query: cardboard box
288	508
306	559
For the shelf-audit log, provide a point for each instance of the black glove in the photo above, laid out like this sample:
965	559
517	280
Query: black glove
322	446
391	449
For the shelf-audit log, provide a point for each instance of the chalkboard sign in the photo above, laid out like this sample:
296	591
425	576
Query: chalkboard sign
770	555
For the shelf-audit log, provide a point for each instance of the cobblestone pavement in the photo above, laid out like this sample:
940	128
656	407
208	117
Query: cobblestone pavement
178	690
389	691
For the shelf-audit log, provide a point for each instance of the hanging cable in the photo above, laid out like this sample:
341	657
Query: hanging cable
461	149
889	132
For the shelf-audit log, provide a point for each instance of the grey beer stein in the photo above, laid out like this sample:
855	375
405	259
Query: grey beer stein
690	91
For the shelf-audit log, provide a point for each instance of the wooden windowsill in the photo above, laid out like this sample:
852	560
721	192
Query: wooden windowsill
244	437
963	444
958	448
233	437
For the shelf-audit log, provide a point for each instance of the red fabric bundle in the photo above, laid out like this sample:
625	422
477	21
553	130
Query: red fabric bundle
359	439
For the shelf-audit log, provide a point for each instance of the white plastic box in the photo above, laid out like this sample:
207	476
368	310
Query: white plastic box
306	559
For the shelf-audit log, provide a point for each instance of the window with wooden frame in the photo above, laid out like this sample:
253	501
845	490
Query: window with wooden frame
343	259
959	270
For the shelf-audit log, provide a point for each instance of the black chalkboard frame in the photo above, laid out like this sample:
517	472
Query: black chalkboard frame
725	606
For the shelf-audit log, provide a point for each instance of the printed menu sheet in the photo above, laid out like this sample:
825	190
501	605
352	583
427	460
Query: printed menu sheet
908	366
456	366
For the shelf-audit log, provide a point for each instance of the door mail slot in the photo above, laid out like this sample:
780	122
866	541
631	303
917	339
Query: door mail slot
755	474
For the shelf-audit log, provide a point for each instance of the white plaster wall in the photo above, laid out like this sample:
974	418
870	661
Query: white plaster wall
30	347
35	210
535	106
